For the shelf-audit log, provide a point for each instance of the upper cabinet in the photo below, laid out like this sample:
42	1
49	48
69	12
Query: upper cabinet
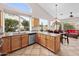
35	24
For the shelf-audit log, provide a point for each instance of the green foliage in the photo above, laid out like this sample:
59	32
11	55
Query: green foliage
68	26
25	24
10	25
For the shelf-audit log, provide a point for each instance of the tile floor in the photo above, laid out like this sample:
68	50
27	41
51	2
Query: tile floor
37	50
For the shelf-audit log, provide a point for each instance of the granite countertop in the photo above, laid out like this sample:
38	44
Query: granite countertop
15	33
26	32
51	34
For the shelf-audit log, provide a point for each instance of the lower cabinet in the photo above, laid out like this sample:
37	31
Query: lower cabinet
57	44
50	42
24	40
15	42
43	40
38	38
11	43
6	45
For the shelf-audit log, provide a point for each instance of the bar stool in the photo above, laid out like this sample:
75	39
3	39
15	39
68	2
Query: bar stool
64	36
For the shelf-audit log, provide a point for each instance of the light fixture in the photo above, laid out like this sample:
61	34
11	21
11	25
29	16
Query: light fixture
56	10
71	14
56	19
56	22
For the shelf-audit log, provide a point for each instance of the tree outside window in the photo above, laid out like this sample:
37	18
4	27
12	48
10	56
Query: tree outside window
26	25
68	26
11	25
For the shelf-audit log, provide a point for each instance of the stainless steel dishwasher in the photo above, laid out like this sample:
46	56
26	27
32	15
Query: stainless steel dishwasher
32	38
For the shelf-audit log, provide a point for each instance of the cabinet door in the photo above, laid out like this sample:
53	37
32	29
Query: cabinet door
52	43
35	22
6	45
16	42
48	42
57	44
24	40
38	38
43	41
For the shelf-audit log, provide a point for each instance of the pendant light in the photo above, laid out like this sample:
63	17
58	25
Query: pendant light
56	19
71	14
56	11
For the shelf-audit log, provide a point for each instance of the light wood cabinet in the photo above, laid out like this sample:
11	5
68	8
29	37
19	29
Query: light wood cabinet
11	43
15	42
24	40
35	22
53	43
38	38
57	43
6	45
43	40
50	42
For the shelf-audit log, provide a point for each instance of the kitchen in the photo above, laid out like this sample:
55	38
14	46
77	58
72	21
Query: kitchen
16	41
35	33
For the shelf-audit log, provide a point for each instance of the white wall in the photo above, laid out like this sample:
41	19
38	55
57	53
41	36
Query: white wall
38	12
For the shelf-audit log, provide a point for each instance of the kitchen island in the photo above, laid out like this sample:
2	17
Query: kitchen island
15	41
50	41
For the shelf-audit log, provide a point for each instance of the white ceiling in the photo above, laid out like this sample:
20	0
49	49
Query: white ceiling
63	9
48	10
